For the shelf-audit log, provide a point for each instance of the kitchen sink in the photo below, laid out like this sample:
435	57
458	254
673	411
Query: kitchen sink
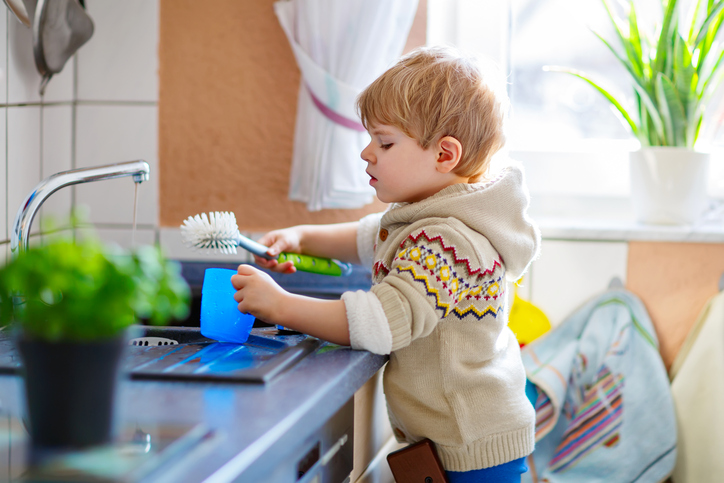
266	353
186	355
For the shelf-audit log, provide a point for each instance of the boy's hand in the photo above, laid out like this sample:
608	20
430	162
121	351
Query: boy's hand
258	294
286	240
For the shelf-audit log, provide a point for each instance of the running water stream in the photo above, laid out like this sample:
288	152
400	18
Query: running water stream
135	214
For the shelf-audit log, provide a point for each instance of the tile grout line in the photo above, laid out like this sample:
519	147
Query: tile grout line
73	141
40	167
7	170
80	102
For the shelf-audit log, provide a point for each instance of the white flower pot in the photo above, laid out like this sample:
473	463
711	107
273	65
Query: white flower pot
668	185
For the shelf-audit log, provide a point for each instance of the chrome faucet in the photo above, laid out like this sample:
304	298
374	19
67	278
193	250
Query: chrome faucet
24	218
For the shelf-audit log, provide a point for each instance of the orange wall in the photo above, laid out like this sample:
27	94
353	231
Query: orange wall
674	281
228	95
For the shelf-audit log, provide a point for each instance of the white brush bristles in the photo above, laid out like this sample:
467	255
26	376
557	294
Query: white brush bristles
216	231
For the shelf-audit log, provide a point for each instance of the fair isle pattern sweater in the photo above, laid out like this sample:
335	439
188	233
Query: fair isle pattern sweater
438	306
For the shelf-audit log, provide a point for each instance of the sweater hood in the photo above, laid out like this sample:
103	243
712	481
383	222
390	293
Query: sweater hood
497	209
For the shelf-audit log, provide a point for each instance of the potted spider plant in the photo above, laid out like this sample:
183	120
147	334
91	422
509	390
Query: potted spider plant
68	305
674	68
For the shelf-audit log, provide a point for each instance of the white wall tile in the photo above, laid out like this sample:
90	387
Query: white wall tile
23	78
3	55
120	62
124	237
56	156
568	273
5	212
113	134
23	145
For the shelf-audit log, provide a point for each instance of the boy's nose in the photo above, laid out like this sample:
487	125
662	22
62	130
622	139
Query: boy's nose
366	154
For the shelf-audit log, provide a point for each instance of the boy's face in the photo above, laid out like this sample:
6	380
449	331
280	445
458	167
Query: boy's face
400	170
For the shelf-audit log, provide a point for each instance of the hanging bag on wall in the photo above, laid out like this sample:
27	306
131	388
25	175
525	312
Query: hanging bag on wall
604	410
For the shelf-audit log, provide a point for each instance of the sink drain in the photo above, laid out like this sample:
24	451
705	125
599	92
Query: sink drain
152	341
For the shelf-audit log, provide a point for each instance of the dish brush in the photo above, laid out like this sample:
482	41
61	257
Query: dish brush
218	231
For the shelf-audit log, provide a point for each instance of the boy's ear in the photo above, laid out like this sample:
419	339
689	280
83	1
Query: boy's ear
449	153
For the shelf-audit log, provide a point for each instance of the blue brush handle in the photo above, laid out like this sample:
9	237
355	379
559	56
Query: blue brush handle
254	247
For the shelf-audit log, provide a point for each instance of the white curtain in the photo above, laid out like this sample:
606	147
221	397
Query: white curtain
341	46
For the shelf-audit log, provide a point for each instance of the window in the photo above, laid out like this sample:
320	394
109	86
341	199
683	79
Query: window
569	139
552	108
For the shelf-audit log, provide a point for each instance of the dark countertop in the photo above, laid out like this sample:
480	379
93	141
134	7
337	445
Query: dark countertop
254	425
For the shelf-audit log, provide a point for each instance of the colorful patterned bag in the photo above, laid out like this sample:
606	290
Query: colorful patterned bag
604	411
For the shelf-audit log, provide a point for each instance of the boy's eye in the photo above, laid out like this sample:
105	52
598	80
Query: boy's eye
386	146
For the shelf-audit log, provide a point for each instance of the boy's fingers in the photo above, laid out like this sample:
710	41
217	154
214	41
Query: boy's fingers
263	262
236	281
268	238
276	248
271	240
287	267
245	269
274	265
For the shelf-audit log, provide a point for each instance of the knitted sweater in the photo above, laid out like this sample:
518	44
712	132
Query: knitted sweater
438	306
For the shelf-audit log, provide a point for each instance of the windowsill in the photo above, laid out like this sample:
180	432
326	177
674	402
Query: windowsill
611	219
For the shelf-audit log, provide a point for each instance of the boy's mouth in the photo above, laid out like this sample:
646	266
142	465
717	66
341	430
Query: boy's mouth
372	178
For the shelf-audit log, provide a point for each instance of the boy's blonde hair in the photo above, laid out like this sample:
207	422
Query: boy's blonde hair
435	92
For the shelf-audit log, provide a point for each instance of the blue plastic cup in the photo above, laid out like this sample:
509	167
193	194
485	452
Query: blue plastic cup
220	316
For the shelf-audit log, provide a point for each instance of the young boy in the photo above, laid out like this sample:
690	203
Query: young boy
440	256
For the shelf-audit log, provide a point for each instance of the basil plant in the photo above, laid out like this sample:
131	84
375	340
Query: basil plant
69	290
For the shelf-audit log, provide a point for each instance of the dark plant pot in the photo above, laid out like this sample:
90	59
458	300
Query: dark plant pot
70	390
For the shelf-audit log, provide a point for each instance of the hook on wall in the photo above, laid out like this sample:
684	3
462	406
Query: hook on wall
615	282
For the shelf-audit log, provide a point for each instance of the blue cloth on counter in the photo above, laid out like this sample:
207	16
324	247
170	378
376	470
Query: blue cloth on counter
506	473
604	410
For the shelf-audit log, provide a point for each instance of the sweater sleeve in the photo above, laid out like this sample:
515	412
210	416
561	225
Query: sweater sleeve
366	236
436	275
368	326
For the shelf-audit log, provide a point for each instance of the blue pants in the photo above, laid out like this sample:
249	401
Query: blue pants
506	473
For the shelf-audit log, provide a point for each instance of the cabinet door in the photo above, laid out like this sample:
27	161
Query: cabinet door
568	273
